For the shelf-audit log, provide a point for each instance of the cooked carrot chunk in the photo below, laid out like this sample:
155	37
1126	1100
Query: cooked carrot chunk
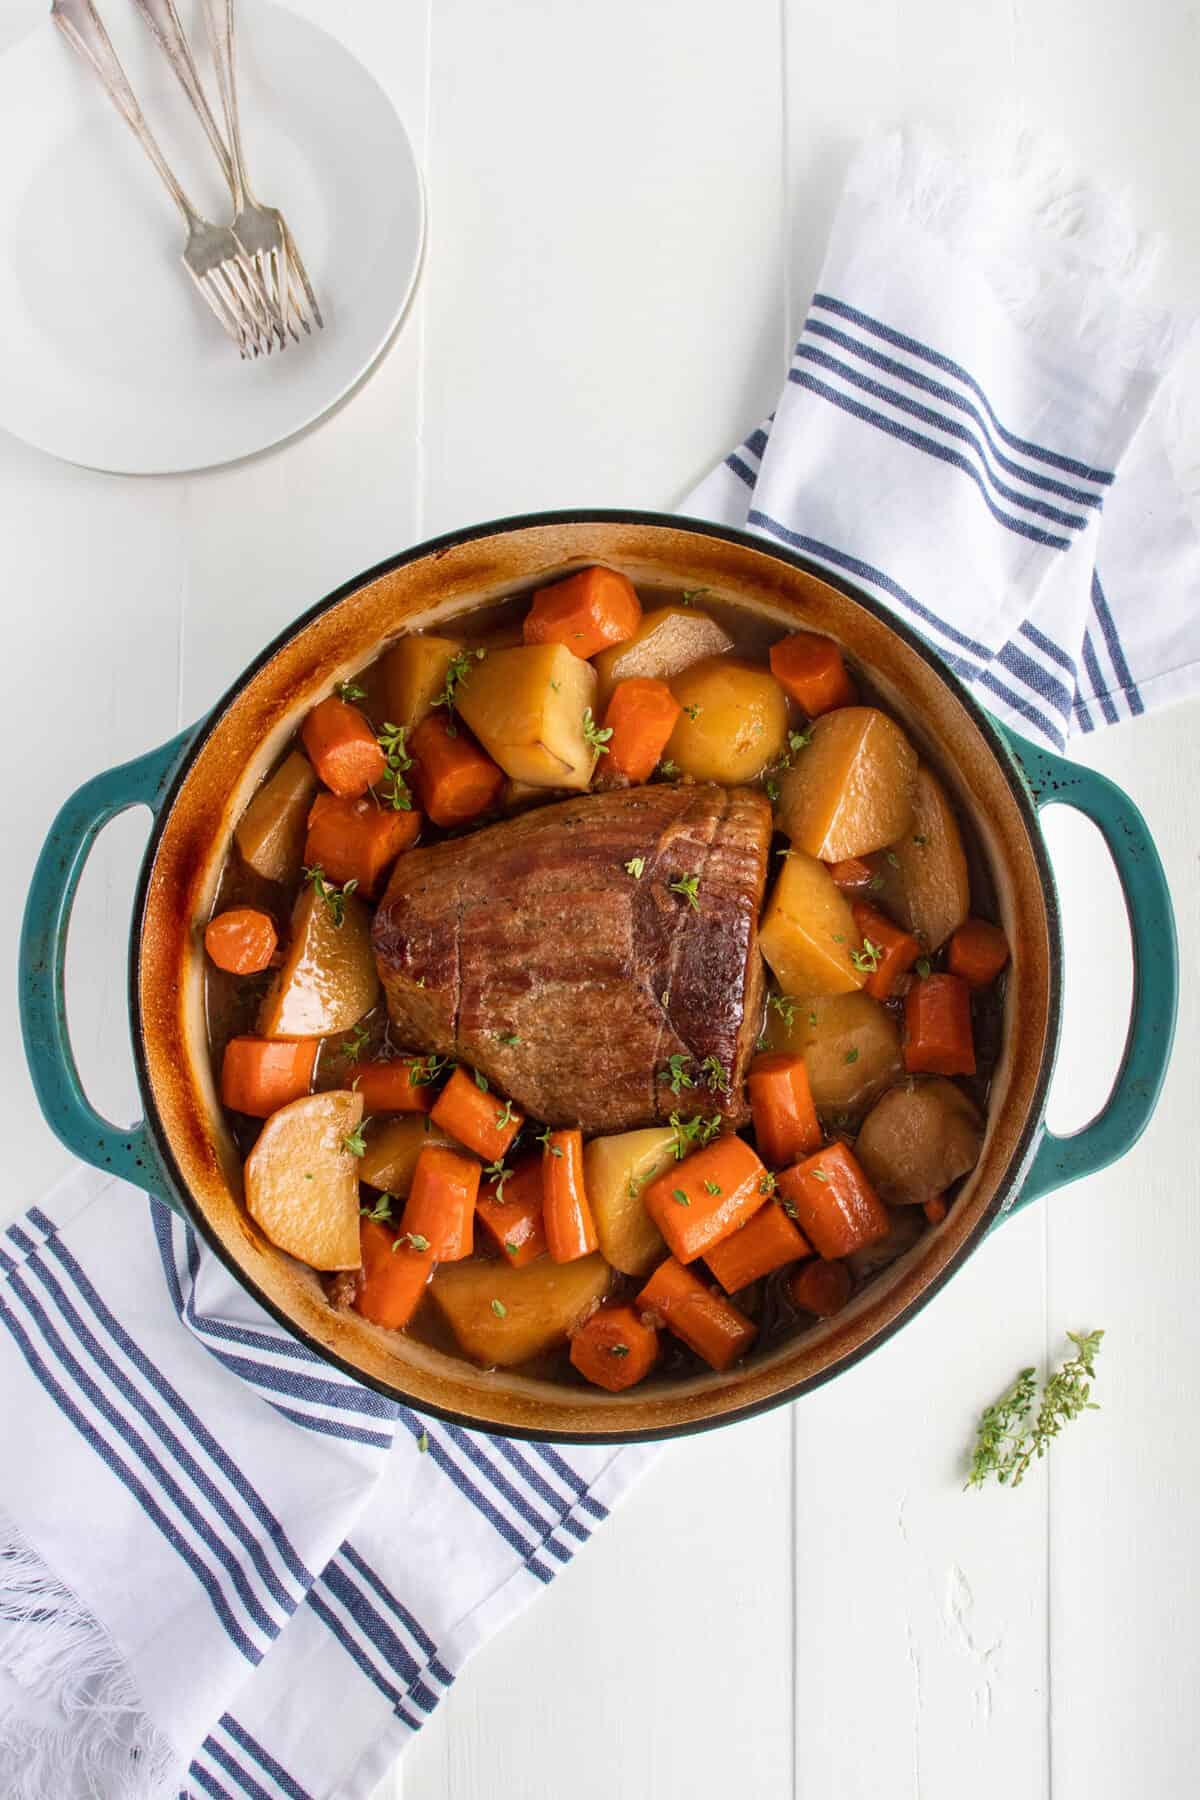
389	1086
892	951
474	1116
394	1277
566	1213
513	1216
977	951
587	612
615	1349
810	669
837	1209
356	840
439	1214
767	1242
707	1323
259	1075
707	1196
821	1287
641	716
241	940
937	1023
851	874
342	748
455	781
785	1120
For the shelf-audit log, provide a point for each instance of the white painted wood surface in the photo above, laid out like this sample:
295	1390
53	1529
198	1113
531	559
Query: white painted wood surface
628	206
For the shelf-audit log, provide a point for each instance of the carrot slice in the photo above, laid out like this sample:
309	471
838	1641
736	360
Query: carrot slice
935	1210
892	951
566	1215
785	1120
388	1087
395	1277
851	873
259	1075
241	940
977	952
707	1323
455	781
356	840
937	1024
513	1216
615	1348
810	669
768	1242
342	748
837	1209
821	1287
587	612
641	716
707	1196
474	1116
439	1214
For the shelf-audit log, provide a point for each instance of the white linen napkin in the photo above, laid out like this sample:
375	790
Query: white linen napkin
225	1568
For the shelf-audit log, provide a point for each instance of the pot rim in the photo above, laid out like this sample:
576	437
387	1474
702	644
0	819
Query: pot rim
1001	753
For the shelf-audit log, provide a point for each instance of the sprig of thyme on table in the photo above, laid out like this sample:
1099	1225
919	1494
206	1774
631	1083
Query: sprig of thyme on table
1005	1440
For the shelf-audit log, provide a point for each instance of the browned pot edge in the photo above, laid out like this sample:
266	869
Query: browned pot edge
899	1299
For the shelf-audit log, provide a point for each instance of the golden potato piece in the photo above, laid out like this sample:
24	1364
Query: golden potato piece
328	978
503	1316
414	674
851	790
526	706
617	1171
270	833
734	720
808	932
918	1139
393	1146
925	883
302	1183
850	1044
666	642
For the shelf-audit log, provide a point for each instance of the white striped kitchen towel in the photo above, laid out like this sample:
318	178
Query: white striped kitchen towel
227	1570
977	426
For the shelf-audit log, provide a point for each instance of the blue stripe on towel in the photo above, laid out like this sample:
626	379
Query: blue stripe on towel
263	1758
1108	627
1091	663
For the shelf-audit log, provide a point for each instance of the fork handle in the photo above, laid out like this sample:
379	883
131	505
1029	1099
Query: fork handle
164	21
218	16
83	29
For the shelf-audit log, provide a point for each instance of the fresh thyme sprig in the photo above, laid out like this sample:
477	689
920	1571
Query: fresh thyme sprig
334	897
457	670
393	789
594	735
1005	1440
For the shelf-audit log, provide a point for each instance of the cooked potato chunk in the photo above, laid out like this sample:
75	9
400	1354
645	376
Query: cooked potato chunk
414	674
328	979
850	1045
393	1146
302	1182
925	883
617	1171
851	790
665	643
270	833
501	1315
808	932
918	1139
526	706
734	720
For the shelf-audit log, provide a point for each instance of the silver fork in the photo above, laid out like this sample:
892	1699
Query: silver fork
212	255
261	230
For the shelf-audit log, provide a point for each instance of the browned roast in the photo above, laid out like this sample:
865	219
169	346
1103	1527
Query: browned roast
530	952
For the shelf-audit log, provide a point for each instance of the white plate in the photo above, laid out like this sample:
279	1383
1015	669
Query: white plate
108	355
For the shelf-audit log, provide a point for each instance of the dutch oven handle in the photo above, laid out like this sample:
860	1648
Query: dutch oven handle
127	1152
1125	1114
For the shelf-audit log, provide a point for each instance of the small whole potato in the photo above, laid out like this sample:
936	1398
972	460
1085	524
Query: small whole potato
734	721
918	1139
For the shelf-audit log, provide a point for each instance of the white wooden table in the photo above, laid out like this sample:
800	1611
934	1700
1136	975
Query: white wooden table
628	207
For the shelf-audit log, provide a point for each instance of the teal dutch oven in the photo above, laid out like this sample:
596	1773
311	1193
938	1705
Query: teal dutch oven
196	786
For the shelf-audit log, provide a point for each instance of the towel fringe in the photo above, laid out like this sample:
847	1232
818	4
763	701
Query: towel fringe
75	1724
1064	258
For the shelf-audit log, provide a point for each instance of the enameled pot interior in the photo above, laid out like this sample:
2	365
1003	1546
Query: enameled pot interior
432	587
